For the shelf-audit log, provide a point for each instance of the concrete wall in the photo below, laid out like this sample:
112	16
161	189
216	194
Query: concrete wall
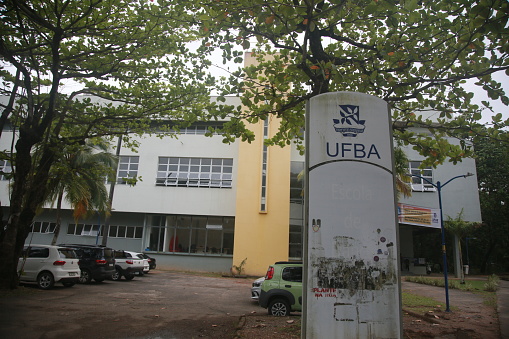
459	194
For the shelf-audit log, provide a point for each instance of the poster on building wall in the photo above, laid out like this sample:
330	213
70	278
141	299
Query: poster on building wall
419	216
352	287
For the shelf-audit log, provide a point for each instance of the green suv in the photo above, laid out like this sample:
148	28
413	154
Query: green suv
281	290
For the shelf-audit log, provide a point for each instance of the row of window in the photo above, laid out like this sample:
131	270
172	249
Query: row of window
167	233
172	171
195	172
43	227
182	172
130	232
191	234
218	173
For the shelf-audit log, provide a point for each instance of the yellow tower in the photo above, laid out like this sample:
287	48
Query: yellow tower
263	199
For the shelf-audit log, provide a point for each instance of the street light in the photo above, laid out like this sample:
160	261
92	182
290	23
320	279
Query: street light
439	186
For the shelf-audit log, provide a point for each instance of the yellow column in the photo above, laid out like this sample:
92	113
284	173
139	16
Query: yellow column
262	236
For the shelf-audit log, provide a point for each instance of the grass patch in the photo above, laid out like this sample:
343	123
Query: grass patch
470	285
485	288
420	304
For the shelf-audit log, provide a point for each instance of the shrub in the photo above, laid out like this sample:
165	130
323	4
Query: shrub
492	284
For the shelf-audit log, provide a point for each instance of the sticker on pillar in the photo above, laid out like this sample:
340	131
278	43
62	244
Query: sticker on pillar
316	224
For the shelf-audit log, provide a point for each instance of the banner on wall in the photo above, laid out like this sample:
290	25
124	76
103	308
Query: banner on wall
419	216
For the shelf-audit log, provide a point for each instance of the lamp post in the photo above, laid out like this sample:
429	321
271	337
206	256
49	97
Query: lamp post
439	187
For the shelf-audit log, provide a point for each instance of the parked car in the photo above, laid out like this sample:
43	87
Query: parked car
46	265
96	262
281	291
151	261
146	265
126	265
256	288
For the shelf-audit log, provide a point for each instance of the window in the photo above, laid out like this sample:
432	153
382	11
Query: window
419	177
297	182
265	156
156	233
296	209
5	168
131	232
38	252
292	274
205	235
127	168
195	172
8	127
43	227
197	128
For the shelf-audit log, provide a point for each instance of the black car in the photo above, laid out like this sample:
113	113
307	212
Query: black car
151	261
96	262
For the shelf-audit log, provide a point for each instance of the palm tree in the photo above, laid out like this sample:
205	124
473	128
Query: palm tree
401	169
80	177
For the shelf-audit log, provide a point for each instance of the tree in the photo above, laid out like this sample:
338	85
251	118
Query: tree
416	55
131	55
492	159
79	176
460	229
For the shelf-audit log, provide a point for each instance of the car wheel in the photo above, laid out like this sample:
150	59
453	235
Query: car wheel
279	308
117	275
45	280
129	276
68	283
85	277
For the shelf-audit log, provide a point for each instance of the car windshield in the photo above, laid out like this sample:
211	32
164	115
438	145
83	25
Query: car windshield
67	253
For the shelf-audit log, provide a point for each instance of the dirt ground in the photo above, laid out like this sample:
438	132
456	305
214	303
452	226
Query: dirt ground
469	318
173	305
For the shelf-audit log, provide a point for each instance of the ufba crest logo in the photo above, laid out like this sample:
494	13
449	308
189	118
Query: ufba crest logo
349	124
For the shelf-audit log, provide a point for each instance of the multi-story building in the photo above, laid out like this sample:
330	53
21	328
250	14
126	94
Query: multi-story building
207	206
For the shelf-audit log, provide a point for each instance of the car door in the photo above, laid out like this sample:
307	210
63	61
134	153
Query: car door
291	280
37	258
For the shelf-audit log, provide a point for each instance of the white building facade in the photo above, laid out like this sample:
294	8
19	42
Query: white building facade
190	208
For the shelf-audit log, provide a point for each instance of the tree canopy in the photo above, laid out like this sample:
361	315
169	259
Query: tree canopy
77	70
414	54
138	61
492	238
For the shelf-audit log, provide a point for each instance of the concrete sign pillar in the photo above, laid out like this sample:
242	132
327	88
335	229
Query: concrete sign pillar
351	283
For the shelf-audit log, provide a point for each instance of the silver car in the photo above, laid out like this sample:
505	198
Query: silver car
257	287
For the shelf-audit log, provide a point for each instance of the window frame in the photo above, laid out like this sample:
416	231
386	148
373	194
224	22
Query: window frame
131	169
418	184
194	172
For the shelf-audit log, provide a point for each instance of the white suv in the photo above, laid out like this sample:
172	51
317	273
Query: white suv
46	264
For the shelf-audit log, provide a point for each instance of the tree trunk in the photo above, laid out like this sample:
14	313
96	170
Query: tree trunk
59	219
10	249
27	195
